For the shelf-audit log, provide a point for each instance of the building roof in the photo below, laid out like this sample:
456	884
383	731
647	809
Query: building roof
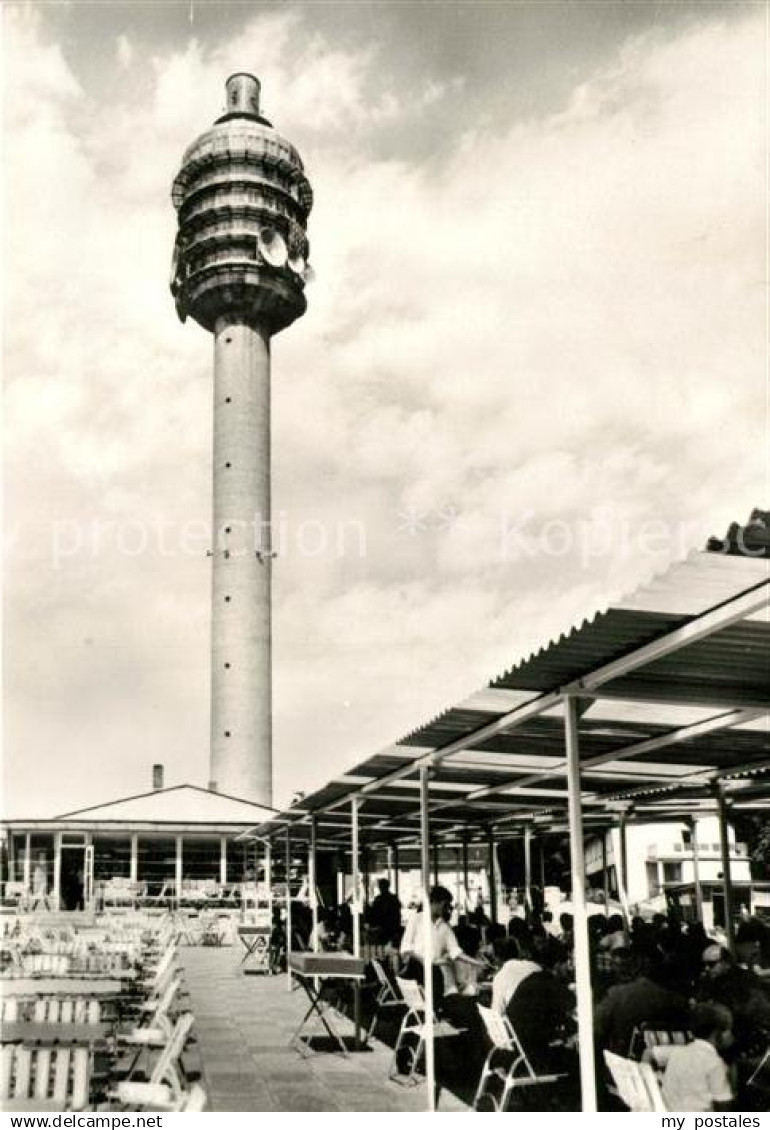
673	692
187	805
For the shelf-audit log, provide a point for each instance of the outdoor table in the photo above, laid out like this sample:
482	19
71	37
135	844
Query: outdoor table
34	1032
311	970
60	987
256	943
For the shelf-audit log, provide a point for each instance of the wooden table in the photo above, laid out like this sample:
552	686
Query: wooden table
61	987
33	1032
311	969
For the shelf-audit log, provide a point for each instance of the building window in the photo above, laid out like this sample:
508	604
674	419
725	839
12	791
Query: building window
672	872
112	857
653	886
156	863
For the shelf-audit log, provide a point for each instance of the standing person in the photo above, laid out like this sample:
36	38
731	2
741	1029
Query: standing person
385	913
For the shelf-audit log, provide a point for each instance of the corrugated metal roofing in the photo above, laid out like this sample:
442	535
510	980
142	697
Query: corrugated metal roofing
713	693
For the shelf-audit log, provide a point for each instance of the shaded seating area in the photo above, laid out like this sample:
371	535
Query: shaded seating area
99	1027
654	710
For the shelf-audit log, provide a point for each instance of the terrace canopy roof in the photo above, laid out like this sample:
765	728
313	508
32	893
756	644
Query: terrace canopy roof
672	686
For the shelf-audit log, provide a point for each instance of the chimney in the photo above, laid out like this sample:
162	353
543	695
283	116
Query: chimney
157	777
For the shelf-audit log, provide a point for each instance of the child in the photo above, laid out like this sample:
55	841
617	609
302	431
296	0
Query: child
696	1076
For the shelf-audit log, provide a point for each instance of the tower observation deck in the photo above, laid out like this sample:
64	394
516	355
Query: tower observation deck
239	270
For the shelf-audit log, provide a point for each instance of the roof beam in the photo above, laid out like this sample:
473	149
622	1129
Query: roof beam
696	629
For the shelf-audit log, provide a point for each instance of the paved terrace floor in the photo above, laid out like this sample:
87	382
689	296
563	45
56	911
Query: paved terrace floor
243	1023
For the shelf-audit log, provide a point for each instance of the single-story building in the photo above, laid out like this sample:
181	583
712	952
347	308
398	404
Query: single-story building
169	846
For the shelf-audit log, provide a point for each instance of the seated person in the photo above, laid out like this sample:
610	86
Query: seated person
541	1008
445	949
696	1077
516	964
326	933
638	999
739	990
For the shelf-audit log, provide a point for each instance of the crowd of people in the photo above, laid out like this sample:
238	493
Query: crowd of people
658	976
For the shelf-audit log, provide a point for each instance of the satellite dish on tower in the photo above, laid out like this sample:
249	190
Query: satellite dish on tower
272	247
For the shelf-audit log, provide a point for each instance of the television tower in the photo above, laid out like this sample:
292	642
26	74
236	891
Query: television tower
239	270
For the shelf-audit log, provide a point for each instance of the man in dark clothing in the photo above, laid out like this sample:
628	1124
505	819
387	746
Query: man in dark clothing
541	1008
385	914
636	1001
723	982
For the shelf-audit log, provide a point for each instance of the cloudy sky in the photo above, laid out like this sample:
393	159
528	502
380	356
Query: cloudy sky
532	370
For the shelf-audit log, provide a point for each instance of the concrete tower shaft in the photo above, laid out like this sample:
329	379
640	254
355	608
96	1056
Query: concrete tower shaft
239	270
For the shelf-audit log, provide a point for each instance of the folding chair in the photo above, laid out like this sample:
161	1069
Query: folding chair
157	1028
45	965
506	1063
387	997
44	1079
637	1084
67	1010
413	1032
644	1039
9	1010
166	1081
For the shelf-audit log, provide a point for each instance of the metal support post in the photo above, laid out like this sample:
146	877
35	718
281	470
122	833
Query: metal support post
311	881
427	925
269	880
605	875
356	908
466	892
582	954
492	877
528	870
623	867
395	870
288	910
727	883
366	880
696	869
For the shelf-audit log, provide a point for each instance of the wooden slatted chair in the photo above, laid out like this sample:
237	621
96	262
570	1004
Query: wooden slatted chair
636	1083
67	1010
9	1010
413	1033
386	999
646	1037
166	1078
45	965
155	1028
44	1079
506	1065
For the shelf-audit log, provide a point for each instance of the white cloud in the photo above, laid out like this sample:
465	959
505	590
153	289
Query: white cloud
563	316
124	52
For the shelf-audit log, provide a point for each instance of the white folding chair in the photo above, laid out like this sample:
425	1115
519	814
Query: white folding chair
413	1032
166	1081
44	1079
506	1064
637	1084
386	998
67	1010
